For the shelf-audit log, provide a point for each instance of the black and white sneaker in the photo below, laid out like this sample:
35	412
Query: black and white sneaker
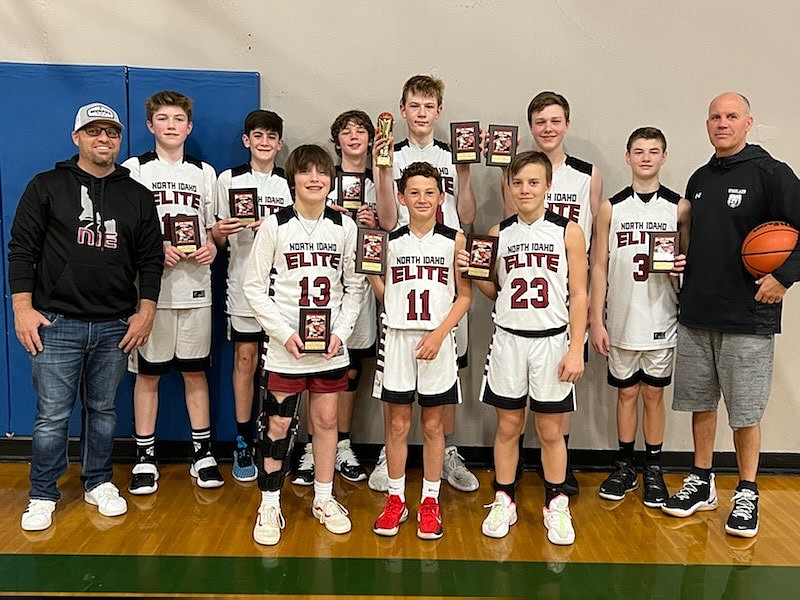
695	495
655	490
304	474
347	462
144	477
206	471
743	520
620	482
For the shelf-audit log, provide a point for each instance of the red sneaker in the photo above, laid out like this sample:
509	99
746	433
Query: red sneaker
394	513
430	521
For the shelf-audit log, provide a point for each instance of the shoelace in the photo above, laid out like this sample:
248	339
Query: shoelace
272	515
347	456
743	505
331	506
497	510
691	485
394	507
653	479
243	457
306	461
105	491
37	508
428	512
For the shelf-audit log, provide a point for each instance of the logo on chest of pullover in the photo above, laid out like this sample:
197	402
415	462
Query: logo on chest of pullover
735	196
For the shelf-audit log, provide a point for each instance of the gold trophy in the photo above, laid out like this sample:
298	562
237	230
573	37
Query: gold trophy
385	123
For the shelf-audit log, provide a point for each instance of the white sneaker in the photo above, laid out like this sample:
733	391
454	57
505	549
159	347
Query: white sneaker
269	523
456	472
331	514
107	500
501	517
558	521
379	478
38	516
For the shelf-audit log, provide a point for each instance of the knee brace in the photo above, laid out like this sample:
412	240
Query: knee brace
271	482
287	408
277	449
352	382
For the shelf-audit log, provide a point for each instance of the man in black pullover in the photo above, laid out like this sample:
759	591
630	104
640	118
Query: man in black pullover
82	234
728	319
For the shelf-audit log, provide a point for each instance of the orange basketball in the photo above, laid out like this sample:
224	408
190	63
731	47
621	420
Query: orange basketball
767	247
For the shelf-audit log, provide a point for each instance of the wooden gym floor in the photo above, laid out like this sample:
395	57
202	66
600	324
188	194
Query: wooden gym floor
185	541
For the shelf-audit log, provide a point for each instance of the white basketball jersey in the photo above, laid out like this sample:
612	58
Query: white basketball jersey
294	264
569	194
366	329
437	154
641	307
532	274
182	188
420	278
273	194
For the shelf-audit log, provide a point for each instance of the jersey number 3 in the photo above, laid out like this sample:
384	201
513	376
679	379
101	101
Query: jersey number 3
641	264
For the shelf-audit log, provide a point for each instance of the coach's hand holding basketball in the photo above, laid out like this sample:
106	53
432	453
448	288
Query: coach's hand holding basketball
770	290
765	249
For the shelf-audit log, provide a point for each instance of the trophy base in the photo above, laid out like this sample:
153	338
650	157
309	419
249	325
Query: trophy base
383	161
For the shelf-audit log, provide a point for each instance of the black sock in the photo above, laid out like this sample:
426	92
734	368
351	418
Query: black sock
201	442
145	447
551	490
704	474
344	435
652	453
245	430
626	451
508	488
747	485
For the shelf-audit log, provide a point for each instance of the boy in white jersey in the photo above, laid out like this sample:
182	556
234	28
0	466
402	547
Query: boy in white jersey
540	296
639	332
353	135
181	336
263	133
575	193
424	298
420	108
303	257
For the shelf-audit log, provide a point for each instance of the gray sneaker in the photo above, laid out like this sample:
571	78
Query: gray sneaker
456	472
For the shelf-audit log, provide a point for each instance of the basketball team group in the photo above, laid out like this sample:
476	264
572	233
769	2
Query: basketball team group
332	265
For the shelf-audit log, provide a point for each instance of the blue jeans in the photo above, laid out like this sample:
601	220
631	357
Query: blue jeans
78	357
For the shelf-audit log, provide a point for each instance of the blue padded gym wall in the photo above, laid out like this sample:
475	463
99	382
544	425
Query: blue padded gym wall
37	108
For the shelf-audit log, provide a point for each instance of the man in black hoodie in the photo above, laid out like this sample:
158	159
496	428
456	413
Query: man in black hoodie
728	320
82	234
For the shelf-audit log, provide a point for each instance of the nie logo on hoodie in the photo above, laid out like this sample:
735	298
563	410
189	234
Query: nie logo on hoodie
92	230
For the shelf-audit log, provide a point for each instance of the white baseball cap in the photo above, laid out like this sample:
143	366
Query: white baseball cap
96	111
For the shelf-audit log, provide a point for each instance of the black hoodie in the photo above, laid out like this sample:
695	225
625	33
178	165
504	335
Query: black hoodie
730	196
79	242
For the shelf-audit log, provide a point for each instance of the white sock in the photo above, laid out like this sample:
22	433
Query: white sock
322	491
271	498
397	487
430	489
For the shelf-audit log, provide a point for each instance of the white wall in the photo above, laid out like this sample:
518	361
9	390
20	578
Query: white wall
621	64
